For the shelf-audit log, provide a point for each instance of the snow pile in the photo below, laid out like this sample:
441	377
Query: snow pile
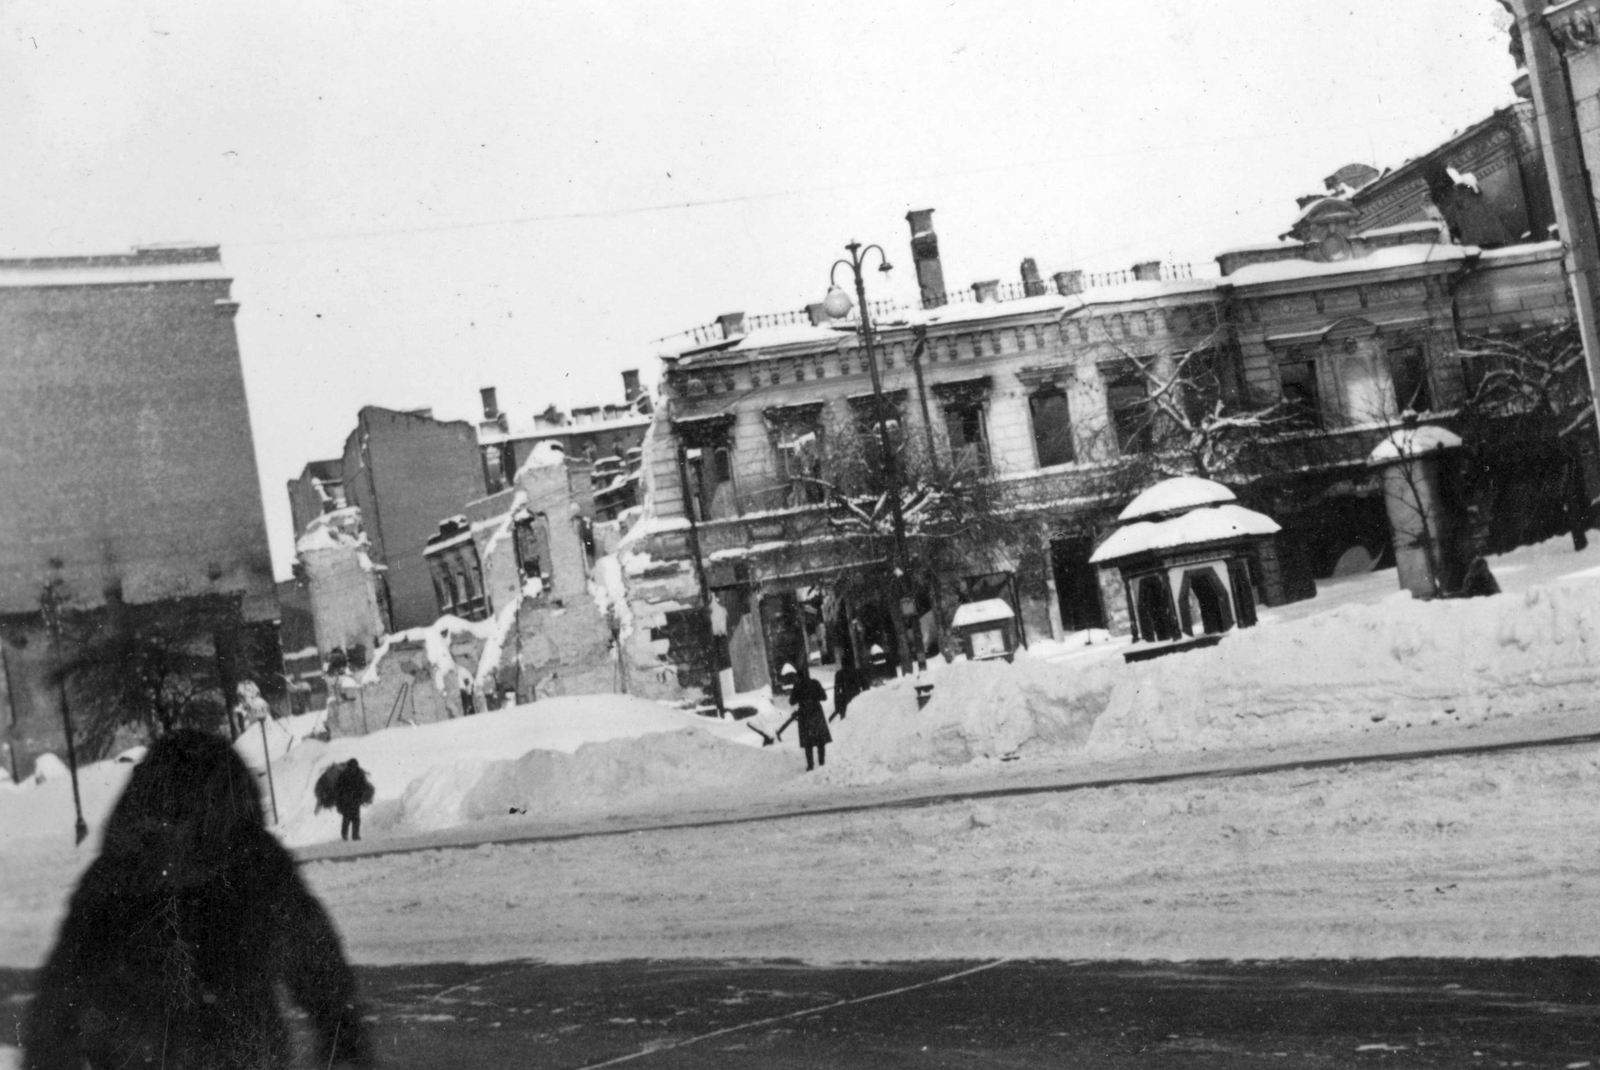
979	710
331	531
598	778
48	767
1398	664
424	775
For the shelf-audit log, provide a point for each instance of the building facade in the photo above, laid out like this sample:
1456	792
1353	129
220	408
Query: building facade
1055	392
126	462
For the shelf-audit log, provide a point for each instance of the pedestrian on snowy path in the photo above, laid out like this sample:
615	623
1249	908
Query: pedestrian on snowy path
808	695
344	787
848	682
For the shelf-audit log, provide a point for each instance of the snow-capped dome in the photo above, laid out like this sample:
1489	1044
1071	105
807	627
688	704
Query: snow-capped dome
1216	524
1175	495
1413	442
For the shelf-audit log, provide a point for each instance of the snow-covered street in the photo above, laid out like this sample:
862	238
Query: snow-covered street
1482	855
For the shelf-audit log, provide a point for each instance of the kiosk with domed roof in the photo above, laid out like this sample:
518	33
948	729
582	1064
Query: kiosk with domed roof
1193	563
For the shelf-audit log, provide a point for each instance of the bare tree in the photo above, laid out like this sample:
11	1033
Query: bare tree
150	669
1195	415
1529	410
954	514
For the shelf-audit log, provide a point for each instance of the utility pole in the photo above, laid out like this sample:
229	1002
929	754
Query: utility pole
50	608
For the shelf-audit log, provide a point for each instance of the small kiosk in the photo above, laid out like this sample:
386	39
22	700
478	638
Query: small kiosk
986	629
1188	556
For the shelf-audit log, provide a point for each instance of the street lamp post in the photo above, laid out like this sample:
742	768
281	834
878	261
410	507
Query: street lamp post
50	608
837	305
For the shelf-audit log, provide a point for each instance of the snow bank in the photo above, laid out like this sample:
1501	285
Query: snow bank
979	710
1397	664
621	774
423	775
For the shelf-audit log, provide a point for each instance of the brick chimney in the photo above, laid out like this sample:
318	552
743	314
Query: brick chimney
1032	284
987	292
1068	282
925	255
1147	271
491	408
630	384
732	324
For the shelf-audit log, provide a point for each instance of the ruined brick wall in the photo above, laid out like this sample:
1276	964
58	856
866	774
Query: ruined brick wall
126	435
306	500
407	472
344	600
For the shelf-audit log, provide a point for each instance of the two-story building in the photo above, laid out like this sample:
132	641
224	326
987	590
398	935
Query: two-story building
1052	389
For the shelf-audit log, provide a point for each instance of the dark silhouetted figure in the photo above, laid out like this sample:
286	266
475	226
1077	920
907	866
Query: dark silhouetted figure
848	682
344	787
1479	581
809	695
181	932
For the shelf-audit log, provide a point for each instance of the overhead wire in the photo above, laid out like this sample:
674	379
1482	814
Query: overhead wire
709	202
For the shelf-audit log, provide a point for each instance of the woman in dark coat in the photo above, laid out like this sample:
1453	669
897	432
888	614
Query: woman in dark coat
809	696
182	930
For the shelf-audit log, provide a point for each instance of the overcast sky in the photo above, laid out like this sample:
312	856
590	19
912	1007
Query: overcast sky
417	200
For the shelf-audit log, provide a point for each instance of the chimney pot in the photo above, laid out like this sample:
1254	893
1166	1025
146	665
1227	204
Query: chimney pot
630	384
1032	284
1147	271
1068	282
732	324
925	256
987	292
491	407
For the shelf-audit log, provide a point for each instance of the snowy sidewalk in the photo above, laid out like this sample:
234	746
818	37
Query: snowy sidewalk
1568	729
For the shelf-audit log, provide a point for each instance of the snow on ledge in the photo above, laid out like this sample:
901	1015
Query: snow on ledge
987	611
1413	442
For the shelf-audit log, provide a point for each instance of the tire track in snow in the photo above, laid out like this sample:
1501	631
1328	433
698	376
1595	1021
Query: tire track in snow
643	1052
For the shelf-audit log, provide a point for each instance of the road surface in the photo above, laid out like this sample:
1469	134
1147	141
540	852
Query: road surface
675	1014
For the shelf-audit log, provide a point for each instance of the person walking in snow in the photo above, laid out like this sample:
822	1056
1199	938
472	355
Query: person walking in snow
344	787
848	682
808	695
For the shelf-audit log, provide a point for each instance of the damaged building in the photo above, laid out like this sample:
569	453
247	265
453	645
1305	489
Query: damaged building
1058	391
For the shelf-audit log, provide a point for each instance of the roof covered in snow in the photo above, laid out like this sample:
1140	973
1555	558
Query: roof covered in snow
1217	523
1412	442
1396	256
988	611
1175	494
154	263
